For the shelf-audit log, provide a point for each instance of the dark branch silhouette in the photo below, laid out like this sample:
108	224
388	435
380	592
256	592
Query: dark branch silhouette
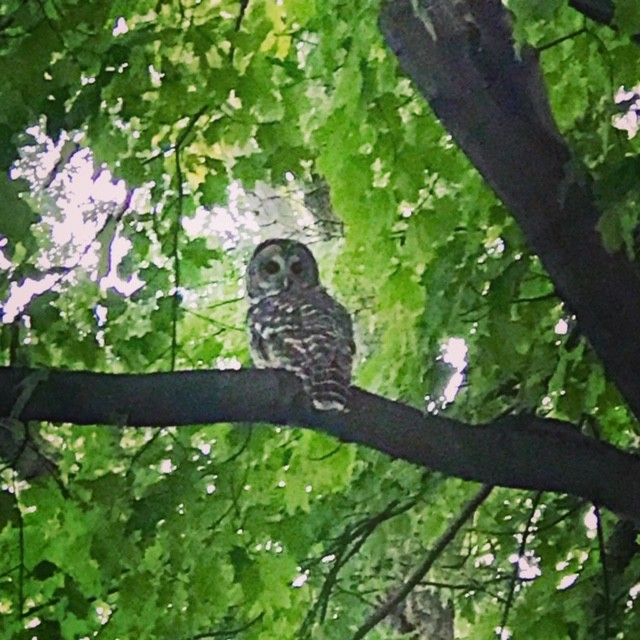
492	101
525	452
602	11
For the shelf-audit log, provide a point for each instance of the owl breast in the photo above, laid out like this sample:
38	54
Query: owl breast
307	332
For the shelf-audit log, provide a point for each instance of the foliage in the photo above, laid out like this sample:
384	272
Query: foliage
263	532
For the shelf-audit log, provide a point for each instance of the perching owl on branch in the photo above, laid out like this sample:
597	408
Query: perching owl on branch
296	325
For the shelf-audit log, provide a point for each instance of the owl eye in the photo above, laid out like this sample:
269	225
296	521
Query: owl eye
272	267
296	268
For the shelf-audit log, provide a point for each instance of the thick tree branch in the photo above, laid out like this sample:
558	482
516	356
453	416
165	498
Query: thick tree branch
491	99
601	11
517	451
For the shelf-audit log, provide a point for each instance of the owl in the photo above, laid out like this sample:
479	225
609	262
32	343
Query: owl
296	325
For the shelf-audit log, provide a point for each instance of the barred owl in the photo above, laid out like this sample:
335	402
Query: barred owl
296	325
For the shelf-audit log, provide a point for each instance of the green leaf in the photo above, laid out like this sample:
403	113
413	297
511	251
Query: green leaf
8	510
627	16
16	217
542	10
8	148
214	189
202	531
44	570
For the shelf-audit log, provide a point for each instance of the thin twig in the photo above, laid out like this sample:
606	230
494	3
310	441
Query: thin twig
436	551
553	43
175	306
180	140
225	633
21	558
516	567
605	572
349	543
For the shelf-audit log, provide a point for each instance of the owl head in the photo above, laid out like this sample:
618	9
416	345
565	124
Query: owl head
279	265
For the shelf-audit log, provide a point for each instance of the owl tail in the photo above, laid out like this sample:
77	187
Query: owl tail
329	391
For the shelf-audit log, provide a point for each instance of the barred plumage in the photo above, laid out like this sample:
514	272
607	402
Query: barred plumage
296	325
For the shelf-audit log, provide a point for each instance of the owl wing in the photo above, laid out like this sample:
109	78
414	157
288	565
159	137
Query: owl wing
310	334
329	351
261	323
259	352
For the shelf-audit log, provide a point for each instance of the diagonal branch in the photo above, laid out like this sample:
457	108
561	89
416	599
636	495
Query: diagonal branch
416	577
525	452
491	99
602	11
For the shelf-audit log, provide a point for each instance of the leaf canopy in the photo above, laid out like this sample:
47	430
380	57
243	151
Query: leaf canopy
201	126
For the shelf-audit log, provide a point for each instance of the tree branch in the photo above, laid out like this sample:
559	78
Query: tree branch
524	452
425	566
601	11
491	99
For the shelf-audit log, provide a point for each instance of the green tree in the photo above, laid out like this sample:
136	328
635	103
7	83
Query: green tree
460	174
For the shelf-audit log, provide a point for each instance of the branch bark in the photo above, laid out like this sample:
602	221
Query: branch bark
524	452
461	57
602	11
